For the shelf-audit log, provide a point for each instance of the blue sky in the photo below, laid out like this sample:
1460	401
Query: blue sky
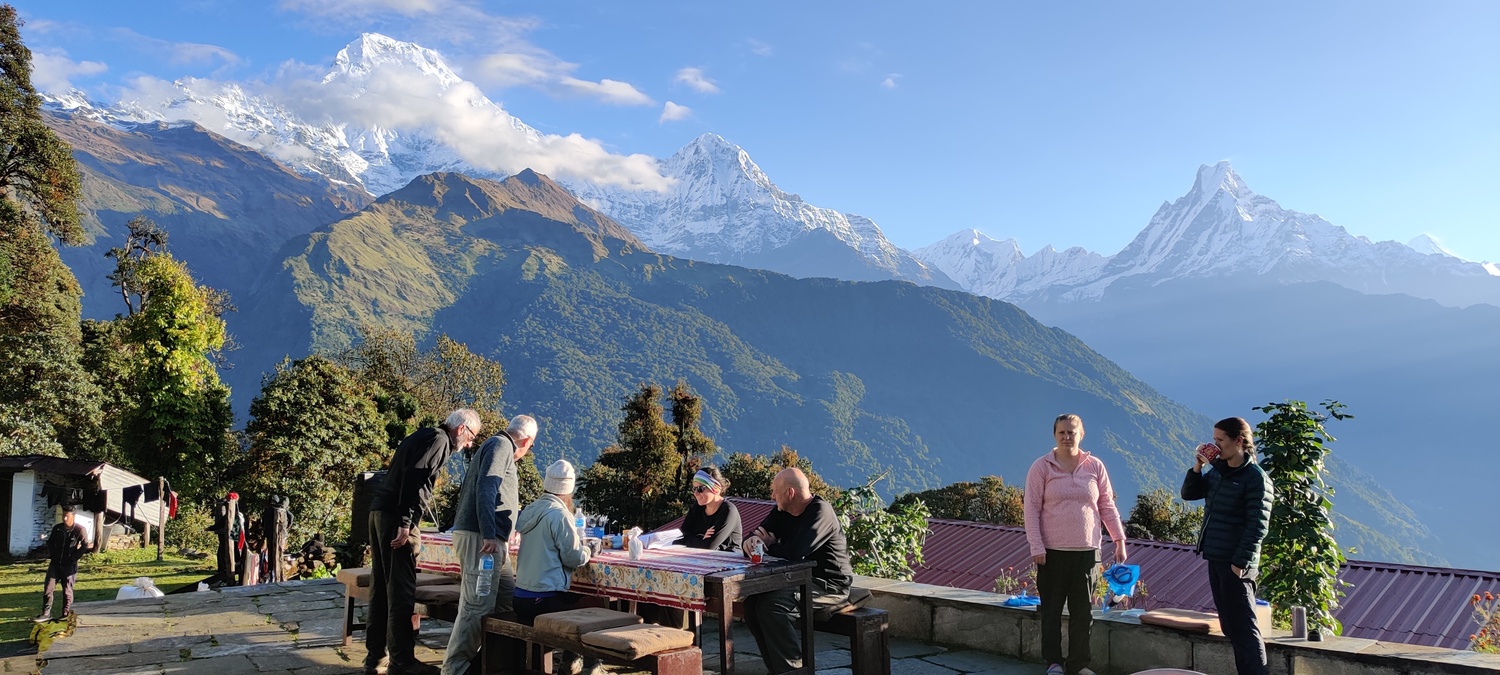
1056	123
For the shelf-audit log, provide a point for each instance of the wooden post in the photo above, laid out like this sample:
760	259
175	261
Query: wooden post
161	516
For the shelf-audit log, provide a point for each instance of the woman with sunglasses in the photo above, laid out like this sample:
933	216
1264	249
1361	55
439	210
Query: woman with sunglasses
712	522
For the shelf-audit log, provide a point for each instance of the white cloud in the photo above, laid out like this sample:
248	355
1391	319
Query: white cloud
697	80
759	48
512	69
404	99
53	72
608	91
177	53
890	81
671	112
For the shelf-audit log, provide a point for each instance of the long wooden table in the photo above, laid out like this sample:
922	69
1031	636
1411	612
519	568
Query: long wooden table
690	579
726	588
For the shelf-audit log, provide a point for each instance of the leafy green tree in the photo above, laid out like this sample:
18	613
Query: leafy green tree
882	543
418	387
48	404
1301	557
179	426
988	501
751	475
143	239
312	428
39	183
635	482
1159	516
421	386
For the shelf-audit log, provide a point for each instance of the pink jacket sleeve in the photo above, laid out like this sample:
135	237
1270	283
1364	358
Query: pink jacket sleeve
1108	511
1036	491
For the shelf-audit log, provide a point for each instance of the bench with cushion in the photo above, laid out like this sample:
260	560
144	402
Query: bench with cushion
869	643
617	638
356	581
1184	619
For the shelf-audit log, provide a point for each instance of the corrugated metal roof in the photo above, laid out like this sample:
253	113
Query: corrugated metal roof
58	465
1408	604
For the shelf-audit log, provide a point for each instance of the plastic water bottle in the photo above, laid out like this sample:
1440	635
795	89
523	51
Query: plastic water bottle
578	523
486	578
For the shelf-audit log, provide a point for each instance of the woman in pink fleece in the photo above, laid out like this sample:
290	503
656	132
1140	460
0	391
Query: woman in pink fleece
1068	498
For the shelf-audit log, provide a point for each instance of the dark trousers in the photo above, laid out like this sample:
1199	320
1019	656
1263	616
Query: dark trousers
773	619
51	587
1067	580
1234	597
393	595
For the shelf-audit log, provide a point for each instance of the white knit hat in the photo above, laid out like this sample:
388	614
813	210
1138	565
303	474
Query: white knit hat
560	478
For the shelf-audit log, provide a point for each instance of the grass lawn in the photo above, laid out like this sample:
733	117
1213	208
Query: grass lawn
100	576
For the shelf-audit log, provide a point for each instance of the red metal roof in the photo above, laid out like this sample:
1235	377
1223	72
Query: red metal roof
1394	603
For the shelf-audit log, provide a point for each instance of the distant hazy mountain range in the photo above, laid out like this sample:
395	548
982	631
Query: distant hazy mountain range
1219	230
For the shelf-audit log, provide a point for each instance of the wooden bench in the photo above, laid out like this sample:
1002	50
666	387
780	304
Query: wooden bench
356	583
531	653
869	642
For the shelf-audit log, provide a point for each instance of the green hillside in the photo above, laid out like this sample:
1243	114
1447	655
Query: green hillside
861	376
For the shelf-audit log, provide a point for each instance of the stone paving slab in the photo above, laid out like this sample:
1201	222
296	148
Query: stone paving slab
297	628
902	648
970	661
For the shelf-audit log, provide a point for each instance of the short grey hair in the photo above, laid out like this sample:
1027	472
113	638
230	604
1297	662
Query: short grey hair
522	426
463	417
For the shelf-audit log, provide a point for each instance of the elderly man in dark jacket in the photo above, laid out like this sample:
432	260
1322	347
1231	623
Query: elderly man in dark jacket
1236	516
395	510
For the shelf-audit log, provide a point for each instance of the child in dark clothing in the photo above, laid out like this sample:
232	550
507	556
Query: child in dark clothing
65	545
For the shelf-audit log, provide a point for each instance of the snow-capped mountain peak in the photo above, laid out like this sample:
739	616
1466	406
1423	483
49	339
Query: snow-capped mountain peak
721	207
1220	228
997	268
371	51
1220	176
1426	245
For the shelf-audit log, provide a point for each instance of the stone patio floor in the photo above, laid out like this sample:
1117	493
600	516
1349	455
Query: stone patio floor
295	628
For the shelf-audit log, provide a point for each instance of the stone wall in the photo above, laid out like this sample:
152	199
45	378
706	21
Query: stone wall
1122	645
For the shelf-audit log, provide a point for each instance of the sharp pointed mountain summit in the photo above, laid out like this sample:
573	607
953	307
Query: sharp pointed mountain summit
1220	229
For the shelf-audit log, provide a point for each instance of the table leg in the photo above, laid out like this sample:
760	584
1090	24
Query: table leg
726	637
807	628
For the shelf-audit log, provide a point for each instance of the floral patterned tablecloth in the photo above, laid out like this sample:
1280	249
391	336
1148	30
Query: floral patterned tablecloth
437	554
670	576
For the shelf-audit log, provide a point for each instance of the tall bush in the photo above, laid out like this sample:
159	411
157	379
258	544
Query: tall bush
885	544
1301	558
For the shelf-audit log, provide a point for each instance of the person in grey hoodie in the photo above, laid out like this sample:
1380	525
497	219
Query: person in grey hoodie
486	514
550	550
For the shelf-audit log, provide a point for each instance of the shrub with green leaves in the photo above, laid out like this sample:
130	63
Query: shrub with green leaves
1301	559
885	544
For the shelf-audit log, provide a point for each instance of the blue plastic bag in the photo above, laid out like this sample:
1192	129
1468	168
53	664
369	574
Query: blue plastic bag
1023	601
1121	580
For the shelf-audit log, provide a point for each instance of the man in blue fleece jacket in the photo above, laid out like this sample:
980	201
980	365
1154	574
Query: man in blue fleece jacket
486	515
